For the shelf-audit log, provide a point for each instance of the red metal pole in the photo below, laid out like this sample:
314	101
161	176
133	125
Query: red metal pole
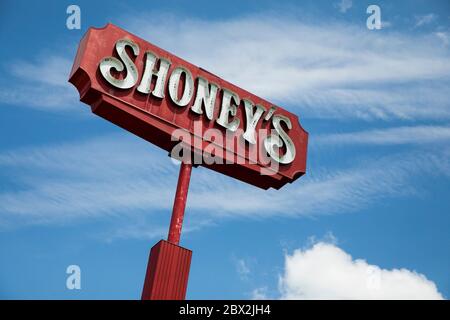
168	265
179	204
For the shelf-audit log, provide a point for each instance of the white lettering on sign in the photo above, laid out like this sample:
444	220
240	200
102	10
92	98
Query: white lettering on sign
110	62
174	83
205	97
161	75
181	92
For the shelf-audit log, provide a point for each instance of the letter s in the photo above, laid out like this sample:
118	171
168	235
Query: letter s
274	140
111	62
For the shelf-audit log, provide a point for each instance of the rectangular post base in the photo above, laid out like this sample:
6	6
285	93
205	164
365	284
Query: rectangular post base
167	272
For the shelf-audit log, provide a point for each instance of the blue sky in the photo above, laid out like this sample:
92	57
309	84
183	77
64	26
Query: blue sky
372	208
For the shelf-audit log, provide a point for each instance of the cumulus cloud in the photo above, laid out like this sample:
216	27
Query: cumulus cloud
327	272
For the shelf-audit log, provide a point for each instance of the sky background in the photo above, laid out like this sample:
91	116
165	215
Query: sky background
370	219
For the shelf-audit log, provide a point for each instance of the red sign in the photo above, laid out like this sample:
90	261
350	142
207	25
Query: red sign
186	110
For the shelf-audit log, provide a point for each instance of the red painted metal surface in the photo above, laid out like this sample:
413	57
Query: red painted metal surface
167	272
155	119
179	205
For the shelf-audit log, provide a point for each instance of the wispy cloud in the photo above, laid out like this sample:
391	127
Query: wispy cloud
40	84
390	136
425	19
52	70
242	268
344	5
260	294
319	70
327	71
86	179
443	36
141	227
119	176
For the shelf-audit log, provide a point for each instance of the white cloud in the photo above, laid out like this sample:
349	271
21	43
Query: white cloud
42	84
425	19
259	294
389	136
140	231
344	5
242	268
444	37
331	71
327	272
143	228
386	24
121	176
52	70
102	176
317	70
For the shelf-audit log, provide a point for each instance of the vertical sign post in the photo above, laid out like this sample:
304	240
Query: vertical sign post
168	264
179	203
